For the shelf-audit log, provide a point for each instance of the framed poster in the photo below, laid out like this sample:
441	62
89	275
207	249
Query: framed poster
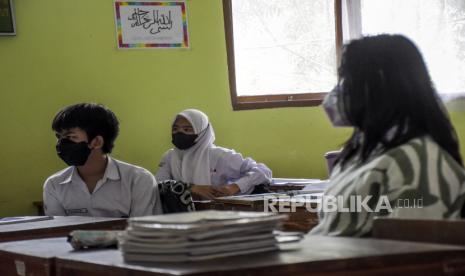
151	24
7	19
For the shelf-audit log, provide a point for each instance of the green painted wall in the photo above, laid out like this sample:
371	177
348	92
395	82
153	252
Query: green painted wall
65	52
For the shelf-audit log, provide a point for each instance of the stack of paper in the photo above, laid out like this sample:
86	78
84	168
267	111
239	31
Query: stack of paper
198	235
12	220
311	185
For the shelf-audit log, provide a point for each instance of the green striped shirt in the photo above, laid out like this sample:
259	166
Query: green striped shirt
418	180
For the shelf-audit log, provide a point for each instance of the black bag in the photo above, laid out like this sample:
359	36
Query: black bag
261	189
175	197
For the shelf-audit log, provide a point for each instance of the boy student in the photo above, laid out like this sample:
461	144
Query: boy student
95	184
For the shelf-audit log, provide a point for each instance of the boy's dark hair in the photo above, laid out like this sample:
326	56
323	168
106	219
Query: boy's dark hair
387	88
94	119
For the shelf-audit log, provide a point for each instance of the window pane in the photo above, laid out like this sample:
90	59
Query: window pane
436	26
284	46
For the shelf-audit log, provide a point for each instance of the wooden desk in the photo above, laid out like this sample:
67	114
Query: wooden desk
59	226
434	231
300	220
316	255
32	257
204	205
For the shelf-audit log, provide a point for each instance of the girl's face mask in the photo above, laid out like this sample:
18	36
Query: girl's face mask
183	141
333	104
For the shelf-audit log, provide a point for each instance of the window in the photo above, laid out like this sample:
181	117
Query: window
438	29
281	52
285	52
7	19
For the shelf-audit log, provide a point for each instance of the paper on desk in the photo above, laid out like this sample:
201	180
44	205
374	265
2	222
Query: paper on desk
317	186
290	181
202	217
199	235
203	222
187	242
138	257
193	248
12	220
177	236
206	250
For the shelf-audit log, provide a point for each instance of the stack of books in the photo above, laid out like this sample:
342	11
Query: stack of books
199	235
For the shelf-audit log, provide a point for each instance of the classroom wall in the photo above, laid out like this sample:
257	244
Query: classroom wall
65	52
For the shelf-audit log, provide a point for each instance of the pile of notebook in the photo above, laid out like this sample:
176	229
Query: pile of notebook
199	235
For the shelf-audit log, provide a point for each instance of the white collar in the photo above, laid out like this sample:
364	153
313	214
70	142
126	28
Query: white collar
111	172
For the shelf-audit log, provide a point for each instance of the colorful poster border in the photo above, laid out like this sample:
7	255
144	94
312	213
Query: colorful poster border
182	4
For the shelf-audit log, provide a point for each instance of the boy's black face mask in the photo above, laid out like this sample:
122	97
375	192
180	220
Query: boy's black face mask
183	141
74	154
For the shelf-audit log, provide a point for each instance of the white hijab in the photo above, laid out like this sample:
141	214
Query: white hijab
193	164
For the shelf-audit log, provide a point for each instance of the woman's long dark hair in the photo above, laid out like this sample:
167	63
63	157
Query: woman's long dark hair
386	87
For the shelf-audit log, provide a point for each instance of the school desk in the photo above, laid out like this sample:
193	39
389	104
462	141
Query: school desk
59	226
315	255
204	205
434	231
31	257
300	219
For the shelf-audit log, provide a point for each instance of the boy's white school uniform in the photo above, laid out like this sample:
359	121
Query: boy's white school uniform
124	191
207	164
